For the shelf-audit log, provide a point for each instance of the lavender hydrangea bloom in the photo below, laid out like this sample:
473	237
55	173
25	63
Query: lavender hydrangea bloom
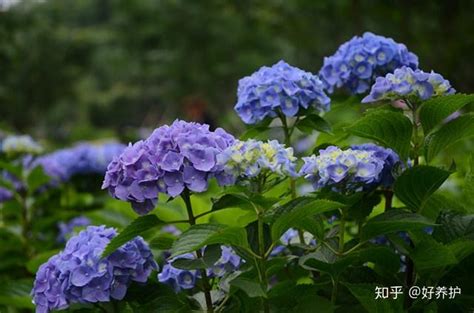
391	161
177	278
279	88
183	155
81	159
357	62
79	274
285	239
24	144
5	195
67	229
406	83
343	170
227	263
247	159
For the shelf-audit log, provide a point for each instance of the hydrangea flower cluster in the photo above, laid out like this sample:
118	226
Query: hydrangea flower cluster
247	159
391	162
281	87
23	144
67	229
81	159
5	195
183	155
343	170
180	279
406	83
357	62
285	239
79	274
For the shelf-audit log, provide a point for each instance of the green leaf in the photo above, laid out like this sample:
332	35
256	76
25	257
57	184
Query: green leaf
274	213
258	132
418	183
16	293
392	221
162	242
461	248
300	213
435	110
454	226
389	128
37	178
136	228
211	255
313	122
232	200
365	293
429	254
449	134
198	236
252	288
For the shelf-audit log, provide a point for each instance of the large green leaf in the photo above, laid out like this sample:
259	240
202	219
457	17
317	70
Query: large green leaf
365	293
16	293
450	133
429	254
37	178
389	128
313	122
454	226
418	183
251	287
273	214
232	200
136	228
210	257
299	214
392	221
198	236
436	110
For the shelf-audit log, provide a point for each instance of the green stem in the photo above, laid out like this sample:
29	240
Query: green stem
342	228
262	265
388	194
205	281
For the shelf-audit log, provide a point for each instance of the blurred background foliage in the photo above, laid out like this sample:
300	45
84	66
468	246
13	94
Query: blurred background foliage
84	69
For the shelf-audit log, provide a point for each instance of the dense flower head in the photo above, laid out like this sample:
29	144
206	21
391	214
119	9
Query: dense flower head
181	279
79	274
357	62
247	159
343	170
82	159
281	87
22	144
391	162
183	155
67	229
406	83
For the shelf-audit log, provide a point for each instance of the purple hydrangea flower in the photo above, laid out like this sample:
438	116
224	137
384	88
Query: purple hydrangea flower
406	83
280	88
67	229
357	62
344	170
79	274
227	263
5	195
81	159
291	236
183	155
391	162
23	144
171	229
247	159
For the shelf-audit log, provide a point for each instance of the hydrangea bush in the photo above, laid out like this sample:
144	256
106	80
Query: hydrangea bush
383	207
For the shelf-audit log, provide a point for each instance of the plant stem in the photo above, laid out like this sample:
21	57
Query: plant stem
262	265
205	281
342	228
388	194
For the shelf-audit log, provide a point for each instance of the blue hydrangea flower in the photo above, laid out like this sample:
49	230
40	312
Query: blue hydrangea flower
280	88
291	236
391	162
177	278
171	229
357	62
343	170
82	159
67	229
247	159
228	262
406	83
79	274
183	155
5	195
23	144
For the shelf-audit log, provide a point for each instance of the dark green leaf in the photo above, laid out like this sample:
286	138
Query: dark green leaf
198	236
16	293
365	293
392	221
162	242
450	133
232	200
429	254
435	110
211	255
297	216
252	288
136	228
389	128
272	214
454	226
313	122
418	183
